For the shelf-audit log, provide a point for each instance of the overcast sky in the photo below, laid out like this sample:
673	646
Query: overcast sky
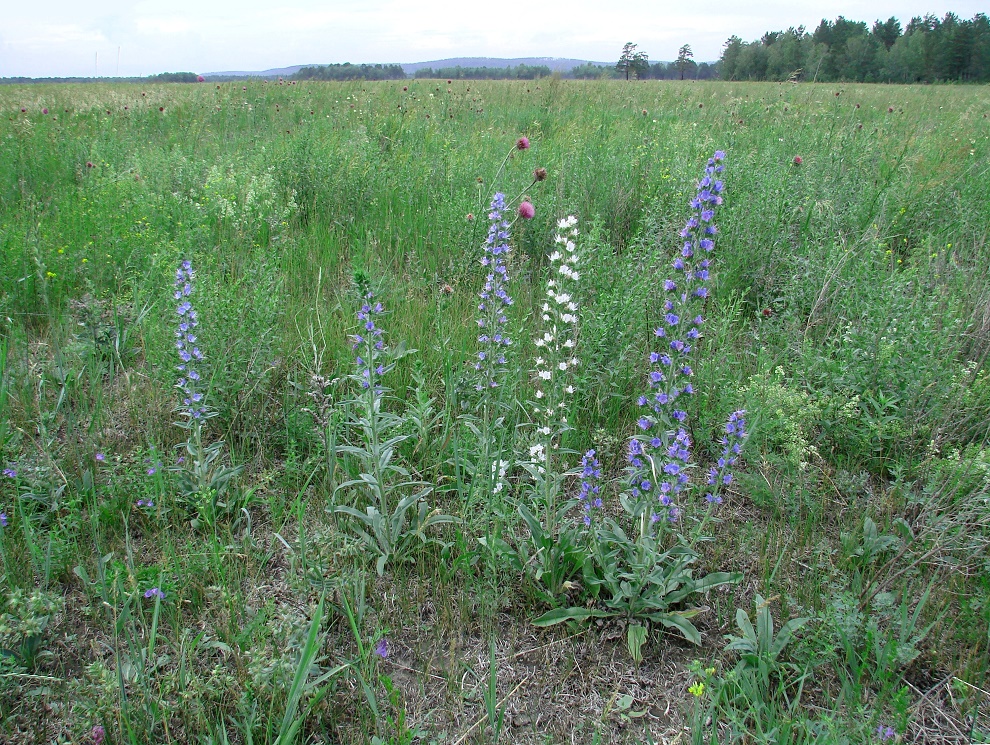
80	37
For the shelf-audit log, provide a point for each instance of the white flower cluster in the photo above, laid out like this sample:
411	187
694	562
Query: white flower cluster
538	454
499	469
558	342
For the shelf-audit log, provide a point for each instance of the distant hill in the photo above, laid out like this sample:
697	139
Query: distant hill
554	63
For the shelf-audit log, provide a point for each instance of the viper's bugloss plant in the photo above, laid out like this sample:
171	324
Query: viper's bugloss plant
590	494
719	475
644	564
557	343
391	506
660	452
190	356
554	551
484	456
493	338
203	481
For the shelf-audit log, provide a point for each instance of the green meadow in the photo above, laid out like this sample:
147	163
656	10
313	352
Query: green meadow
311	561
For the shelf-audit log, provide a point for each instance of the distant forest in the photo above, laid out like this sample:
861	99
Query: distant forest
655	71
347	71
519	72
927	50
164	77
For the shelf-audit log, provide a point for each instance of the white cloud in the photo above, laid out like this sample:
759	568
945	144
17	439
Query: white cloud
166	25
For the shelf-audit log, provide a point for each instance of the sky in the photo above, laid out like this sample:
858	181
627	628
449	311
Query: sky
62	38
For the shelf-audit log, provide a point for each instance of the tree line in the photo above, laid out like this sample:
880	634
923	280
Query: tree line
347	71
635	64
519	72
651	71
927	50
164	77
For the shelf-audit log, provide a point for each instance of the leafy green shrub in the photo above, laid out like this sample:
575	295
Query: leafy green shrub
785	420
23	623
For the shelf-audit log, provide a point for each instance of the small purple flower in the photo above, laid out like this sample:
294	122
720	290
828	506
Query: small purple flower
98	734
100	457
154	592
589	496
10	473
152	471
719	474
3	520
885	733
381	649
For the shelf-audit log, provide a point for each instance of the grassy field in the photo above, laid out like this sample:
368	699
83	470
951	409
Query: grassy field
312	561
